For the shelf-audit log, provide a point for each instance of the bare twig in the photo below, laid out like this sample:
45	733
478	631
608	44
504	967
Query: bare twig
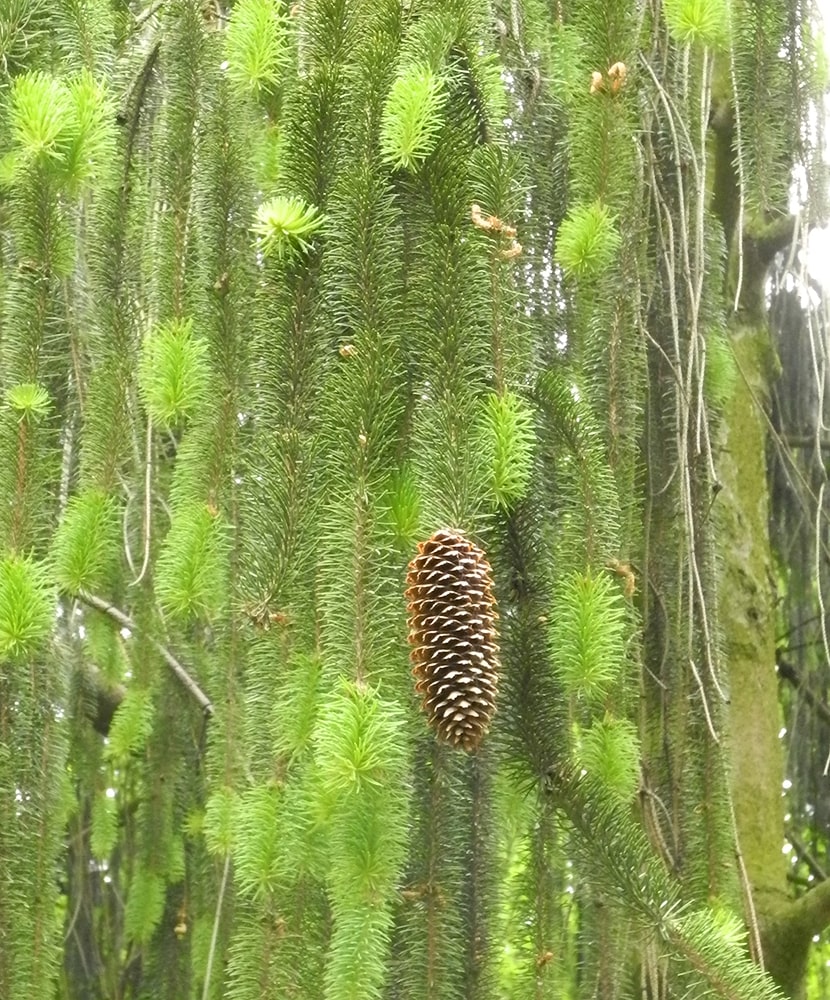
214	936
147	13
789	673
746	886
807	856
805	441
125	621
148	509
710	724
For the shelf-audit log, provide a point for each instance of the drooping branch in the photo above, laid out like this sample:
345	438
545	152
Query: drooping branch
175	665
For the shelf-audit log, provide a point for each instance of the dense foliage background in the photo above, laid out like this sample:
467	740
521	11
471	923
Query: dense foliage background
285	288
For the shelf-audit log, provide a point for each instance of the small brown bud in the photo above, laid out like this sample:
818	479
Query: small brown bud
480	219
627	573
617	74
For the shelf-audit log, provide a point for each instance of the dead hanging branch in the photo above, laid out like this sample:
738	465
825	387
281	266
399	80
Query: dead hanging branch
124	620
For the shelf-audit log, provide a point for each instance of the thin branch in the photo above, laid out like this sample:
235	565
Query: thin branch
791	674
807	856
125	531
805	441
125	621
214	936
746	886
148	509
711	726
147	13
788	463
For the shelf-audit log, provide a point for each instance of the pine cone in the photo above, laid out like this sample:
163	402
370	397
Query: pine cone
452	613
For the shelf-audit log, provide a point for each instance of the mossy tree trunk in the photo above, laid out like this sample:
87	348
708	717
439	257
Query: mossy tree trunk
286	289
748	609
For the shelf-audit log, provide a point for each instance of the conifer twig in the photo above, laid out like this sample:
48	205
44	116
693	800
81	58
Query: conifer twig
175	665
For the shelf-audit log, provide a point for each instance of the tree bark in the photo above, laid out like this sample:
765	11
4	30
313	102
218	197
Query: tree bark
747	605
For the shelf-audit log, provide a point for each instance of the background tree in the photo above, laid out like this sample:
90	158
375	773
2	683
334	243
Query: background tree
287	289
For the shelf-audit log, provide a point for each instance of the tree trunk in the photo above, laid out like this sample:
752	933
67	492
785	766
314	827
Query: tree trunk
748	615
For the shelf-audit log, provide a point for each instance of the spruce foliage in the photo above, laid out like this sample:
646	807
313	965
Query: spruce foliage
257	46
587	241
25	607
86	543
286	288
173	373
698	22
412	116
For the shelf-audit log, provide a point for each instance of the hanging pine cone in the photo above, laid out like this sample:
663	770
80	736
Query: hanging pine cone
452	613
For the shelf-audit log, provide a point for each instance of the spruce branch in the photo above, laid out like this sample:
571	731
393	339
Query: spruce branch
698	938
173	374
256	45
175	665
588	241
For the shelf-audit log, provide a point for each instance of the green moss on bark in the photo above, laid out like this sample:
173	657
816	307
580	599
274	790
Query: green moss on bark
747	606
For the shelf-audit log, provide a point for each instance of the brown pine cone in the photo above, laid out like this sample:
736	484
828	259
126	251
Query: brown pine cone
452	614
